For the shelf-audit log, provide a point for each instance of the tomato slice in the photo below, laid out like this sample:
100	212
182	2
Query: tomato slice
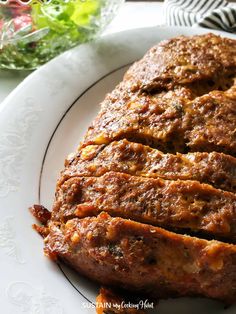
22	21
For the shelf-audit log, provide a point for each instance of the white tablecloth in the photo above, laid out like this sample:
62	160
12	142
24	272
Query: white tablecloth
131	15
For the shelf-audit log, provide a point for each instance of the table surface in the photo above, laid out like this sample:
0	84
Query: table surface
131	15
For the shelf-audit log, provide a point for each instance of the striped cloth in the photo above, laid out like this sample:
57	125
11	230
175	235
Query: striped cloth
216	14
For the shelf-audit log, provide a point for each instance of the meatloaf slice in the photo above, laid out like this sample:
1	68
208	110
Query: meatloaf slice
155	120
123	156
171	122
145	259
171	204
203	63
212	119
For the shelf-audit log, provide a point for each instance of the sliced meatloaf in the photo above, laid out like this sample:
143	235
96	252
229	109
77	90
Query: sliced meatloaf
145	259
203	63
171	122
171	204
210	122
121	208
136	159
155	120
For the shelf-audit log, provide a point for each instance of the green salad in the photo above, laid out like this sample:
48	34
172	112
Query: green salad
34	33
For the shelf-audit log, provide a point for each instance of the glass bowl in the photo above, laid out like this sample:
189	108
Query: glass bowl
33	32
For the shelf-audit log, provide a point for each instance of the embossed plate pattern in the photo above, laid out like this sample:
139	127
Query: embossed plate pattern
40	123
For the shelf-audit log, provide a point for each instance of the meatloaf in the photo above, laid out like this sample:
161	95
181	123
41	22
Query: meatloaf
203	63
171	204
170	122
123	156
145	259
156	220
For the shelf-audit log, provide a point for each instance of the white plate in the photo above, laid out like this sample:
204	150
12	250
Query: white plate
41	122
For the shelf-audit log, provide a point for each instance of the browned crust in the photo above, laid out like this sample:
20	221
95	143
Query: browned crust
171	122
149	119
213	168
210	122
145	259
42	214
170	204
208	59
